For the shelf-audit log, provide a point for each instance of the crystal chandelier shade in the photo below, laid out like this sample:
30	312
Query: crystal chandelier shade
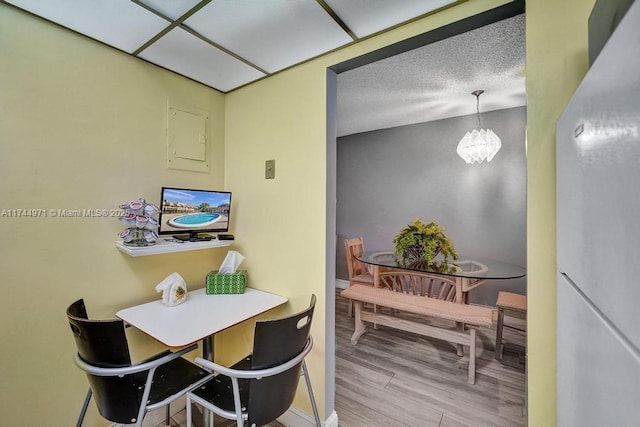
479	144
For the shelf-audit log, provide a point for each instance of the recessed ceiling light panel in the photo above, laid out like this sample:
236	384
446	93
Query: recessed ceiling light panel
186	54
118	23
368	17
173	9
273	34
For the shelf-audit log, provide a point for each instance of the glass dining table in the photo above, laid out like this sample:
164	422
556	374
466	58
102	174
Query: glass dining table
469	272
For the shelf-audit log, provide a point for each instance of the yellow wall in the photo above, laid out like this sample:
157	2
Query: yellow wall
283	118
82	126
556	62
279	118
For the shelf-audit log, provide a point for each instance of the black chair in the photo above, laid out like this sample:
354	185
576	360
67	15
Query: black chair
123	392
261	387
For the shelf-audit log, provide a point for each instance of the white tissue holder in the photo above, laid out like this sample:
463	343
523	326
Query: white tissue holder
174	290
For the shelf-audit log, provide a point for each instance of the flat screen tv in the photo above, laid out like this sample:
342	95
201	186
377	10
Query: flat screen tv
191	214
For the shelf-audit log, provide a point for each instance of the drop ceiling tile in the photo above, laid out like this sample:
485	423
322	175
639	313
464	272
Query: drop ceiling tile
186	54
368	17
171	8
118	23
272	34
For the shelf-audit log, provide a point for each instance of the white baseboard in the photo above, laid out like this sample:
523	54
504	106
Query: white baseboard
294	417
342	284
332	421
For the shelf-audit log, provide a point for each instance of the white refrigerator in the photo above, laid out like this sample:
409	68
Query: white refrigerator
598	239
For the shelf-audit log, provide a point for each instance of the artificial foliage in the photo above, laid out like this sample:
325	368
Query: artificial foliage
419	244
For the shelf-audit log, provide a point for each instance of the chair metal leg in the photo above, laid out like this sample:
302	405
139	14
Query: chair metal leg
305	372
167	419
189	404
85	405
195	418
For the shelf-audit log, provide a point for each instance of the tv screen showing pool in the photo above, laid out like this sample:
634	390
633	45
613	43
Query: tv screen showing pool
193	211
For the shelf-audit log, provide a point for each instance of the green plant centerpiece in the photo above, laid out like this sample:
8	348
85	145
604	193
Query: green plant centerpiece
419	244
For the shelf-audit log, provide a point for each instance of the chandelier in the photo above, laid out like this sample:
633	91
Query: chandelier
479	144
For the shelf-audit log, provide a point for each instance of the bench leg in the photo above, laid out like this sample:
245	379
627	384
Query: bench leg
459	348
360	327
499	327
459	300
472	356
375	310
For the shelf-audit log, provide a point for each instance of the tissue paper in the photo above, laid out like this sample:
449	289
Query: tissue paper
231	262
174	290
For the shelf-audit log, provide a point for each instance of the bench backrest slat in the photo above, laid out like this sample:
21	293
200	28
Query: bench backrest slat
418	283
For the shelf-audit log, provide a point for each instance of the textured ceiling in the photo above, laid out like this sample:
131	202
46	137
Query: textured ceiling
435	81
226	44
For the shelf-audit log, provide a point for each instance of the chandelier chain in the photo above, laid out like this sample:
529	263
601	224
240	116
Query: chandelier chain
477	94
478	110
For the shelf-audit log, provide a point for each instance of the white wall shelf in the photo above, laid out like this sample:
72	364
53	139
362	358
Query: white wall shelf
163	246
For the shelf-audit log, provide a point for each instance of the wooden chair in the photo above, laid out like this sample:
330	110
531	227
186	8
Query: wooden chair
359	273
513	305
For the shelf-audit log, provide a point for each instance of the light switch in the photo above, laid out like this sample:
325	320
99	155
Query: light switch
270	169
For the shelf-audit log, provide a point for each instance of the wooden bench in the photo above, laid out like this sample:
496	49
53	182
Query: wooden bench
472	315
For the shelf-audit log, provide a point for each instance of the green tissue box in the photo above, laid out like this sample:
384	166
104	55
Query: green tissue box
226	283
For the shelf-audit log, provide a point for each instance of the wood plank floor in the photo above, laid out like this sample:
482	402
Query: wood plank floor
395	378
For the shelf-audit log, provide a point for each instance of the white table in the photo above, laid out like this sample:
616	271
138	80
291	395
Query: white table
198	318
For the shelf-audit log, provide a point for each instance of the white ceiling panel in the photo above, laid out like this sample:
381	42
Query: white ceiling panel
368	17
118	23
272	34
186	54
173	9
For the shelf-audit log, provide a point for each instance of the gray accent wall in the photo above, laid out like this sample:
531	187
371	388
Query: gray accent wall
390	177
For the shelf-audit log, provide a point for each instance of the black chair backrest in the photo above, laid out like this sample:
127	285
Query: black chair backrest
103	343
275	342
